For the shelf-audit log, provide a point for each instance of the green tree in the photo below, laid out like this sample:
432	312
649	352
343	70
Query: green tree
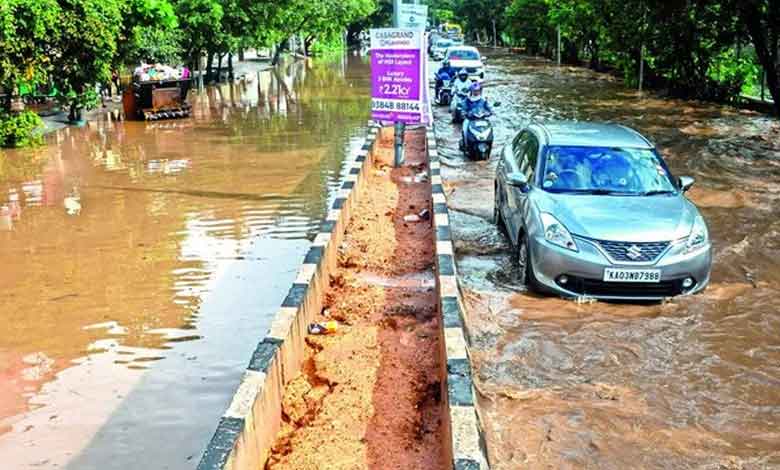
380	17
320	19
762	20
582	27
478	16
85	50
27	30
528	25
201	24
150	32
689	48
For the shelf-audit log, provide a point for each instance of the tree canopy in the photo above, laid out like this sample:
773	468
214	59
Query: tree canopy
710	49
73	45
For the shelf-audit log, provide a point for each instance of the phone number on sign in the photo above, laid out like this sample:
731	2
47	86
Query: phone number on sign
386	105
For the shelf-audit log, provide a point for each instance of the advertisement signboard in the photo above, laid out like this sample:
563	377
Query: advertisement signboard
413	16
397	80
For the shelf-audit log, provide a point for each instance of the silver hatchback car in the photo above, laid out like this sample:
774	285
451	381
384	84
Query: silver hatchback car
593	210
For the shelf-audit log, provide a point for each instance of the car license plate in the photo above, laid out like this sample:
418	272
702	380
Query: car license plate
632	275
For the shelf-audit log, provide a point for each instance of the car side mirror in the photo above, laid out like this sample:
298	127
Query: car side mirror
518	180
686	182
496	104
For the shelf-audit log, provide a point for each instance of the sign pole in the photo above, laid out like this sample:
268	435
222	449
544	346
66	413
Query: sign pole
398	92
399	126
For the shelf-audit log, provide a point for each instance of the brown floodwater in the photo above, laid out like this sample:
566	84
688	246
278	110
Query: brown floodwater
689	383
143	262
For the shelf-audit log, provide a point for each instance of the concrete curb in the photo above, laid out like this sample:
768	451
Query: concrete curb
465	430
248	428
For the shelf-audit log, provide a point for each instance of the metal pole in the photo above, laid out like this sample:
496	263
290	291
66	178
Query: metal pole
641	65
495	38
200	74
559	45
398	157
642	50
396	12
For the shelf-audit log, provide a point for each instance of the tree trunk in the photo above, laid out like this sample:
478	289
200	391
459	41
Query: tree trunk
307	45
219	67
278	53
75	112
230	67
766	42
241	54
209	66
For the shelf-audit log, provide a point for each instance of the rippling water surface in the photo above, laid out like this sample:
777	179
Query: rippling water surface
690	383
142	263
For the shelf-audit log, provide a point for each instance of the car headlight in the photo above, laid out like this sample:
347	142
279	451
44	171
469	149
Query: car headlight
699	236
556	233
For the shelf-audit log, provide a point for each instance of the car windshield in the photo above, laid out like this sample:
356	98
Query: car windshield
463	54
604	170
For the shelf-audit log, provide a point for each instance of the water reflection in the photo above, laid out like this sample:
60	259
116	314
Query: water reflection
140	258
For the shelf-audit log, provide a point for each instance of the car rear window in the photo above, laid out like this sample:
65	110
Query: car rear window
463	54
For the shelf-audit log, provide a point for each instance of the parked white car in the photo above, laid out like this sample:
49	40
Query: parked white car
466	57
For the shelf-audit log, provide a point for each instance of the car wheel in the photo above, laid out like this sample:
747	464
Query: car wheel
523	258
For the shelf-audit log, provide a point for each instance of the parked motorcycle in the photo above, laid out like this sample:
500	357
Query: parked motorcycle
478	136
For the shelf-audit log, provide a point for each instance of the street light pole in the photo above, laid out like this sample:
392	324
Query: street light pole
559	45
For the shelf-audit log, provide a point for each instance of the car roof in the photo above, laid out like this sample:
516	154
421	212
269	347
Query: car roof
463	48
591	134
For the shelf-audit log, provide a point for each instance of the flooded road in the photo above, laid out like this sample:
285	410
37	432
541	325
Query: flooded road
142	263
689	383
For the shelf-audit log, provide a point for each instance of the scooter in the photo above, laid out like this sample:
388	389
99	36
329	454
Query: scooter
445	95
456	106
478	136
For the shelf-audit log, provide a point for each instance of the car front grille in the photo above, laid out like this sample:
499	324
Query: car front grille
633	252
599	288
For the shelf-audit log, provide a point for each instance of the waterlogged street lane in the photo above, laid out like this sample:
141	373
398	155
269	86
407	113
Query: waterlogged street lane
690	383
142	263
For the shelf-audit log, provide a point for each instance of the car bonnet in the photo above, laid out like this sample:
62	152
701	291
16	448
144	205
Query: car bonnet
621	218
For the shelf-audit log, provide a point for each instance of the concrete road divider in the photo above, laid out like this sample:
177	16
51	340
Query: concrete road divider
248	429
465	430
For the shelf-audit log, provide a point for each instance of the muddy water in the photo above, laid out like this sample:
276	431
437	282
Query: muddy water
690	383
142	263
